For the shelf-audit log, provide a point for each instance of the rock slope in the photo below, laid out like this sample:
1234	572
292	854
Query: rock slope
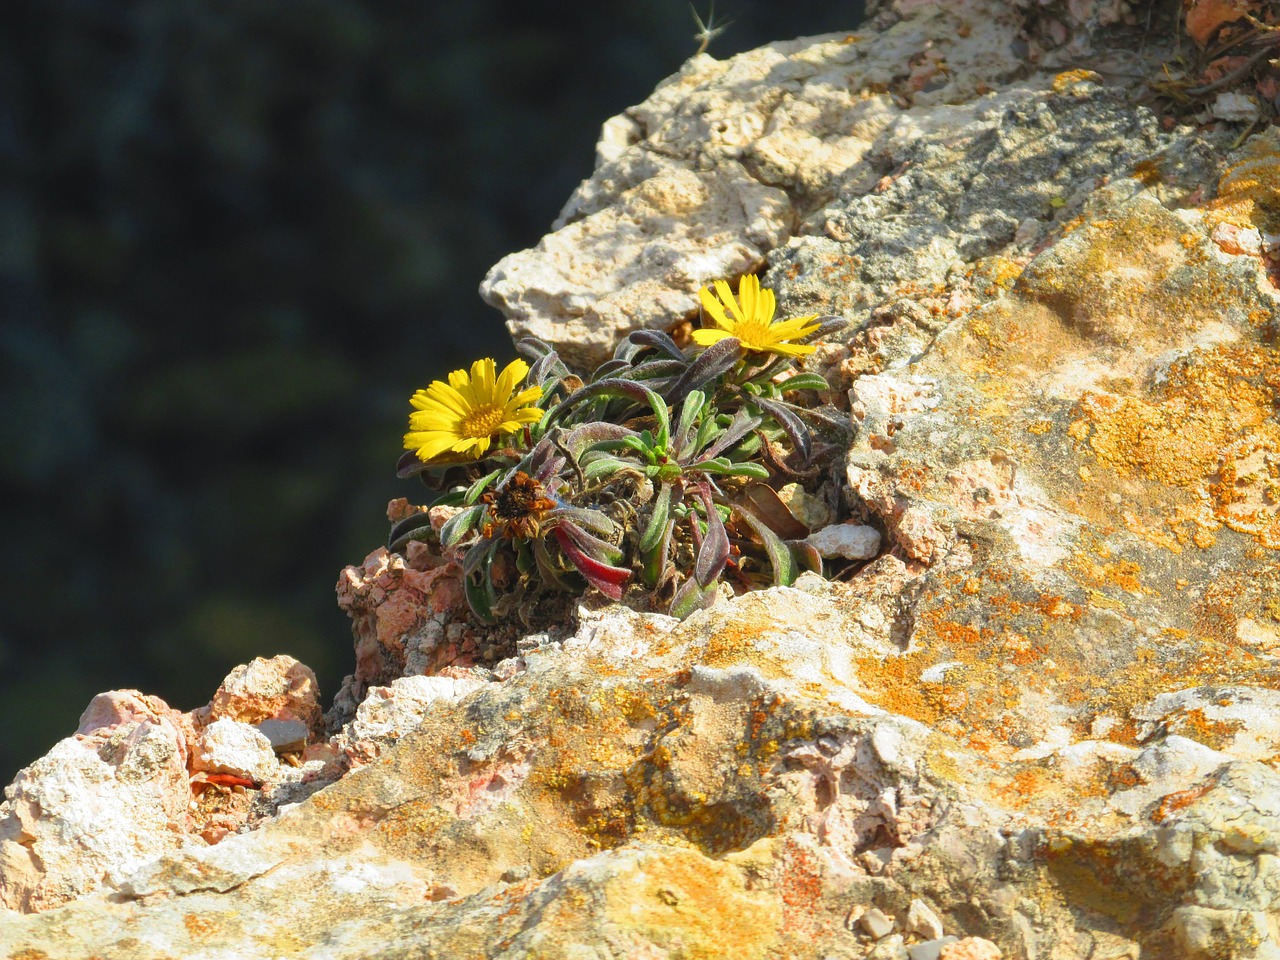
1042	722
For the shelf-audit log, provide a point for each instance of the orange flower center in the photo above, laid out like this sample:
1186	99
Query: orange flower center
481	423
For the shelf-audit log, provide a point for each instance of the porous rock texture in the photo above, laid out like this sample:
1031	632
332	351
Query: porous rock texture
1042	722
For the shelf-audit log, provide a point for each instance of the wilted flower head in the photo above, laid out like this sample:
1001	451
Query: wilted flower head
464	416
749	318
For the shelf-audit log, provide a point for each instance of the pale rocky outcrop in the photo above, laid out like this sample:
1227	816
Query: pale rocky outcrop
1040	722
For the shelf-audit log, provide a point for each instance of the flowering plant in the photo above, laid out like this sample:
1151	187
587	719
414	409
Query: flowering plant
656	475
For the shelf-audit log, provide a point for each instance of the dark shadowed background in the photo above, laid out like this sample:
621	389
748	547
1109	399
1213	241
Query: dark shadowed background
235	235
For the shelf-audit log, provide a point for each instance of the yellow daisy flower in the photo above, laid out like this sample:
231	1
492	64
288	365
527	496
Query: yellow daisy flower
750	319
463	416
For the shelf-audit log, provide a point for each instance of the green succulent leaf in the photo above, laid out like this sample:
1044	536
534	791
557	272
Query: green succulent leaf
415	527
603	466
476	489
804	381
723	467
780	557
653	531
460	524
689	412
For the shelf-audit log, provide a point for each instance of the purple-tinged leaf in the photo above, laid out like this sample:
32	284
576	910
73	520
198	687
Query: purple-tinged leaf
826	325
717	359
592	520
714	552
742	424
801	439
766	506
608	580
692	597
658	341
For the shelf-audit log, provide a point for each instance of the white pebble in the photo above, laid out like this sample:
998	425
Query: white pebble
849	540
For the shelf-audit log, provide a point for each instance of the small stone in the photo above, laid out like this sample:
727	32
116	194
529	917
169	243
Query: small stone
849	540
229	746
930	949
923	922
971	948
890	948
286	736
812	511
1234	107
875	923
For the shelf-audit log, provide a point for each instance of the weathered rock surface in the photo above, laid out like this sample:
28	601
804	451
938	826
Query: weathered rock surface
1040	722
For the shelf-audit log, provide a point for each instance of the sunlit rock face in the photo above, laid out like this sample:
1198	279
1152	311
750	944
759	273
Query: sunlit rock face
1040	716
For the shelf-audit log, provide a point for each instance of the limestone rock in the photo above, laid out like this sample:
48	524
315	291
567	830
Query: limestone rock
1040	720
97	806
280	688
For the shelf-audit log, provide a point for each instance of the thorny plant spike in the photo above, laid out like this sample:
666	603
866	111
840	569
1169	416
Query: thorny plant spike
645	477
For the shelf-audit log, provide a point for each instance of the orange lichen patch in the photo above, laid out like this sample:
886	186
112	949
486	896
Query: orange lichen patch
694	907
1174	803
1209	430
198	926
1249	190
1069	78
1194	725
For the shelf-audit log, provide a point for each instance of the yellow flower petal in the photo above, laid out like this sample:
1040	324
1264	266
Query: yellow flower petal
714	308
428	445
730	303
482	377
748	288
512	374
706	336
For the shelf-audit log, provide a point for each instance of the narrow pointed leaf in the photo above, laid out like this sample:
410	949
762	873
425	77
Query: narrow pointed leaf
799	434
689	410
826	326
476	489
743	423
714	552
658	341
657	521
723	468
